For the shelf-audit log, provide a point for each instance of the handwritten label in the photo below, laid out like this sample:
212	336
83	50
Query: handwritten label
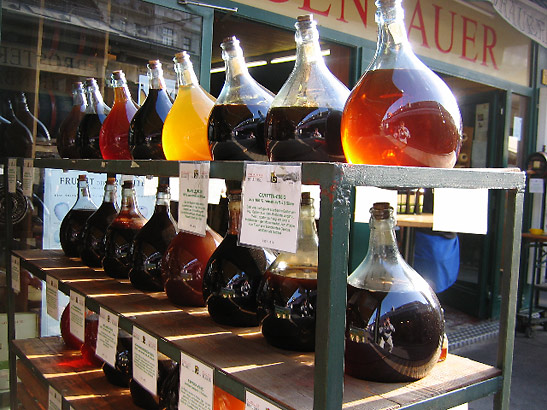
107	336
55	400
196	384
52	297
271	206
15	273
12	175
28	176
193	194
77	315
254	402
145	360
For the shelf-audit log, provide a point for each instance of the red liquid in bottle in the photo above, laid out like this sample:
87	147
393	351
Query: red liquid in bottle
71	341
71	230
115	130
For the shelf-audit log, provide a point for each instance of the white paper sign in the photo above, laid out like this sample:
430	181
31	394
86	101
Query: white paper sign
366	196
193	194
254	402
15	273
28	176
150	186
460	210
145	360
107	337
271	206
196	384
536	185
12	175
55	400
52	297
77	315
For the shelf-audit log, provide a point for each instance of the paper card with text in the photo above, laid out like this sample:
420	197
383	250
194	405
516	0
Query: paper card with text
12	175
193	196
145	360
52	297
460	210
107	336
196	384
536	185
77	315
254	402
15	273
28	176
271	206
55	400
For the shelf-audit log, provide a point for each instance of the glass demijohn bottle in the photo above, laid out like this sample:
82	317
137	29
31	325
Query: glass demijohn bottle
113	137
233	275
66	138
400	112
18	139
22	112
147	123
303	123
72	225
87	136
92	249
184	135
394	322
236	122
287	296
120	234
151	242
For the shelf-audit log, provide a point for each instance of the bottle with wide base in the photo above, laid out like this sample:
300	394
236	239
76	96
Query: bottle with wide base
394	321
89	128
66	138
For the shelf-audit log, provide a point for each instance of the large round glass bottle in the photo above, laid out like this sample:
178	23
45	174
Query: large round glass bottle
236	122
287	296
400	112
66	137
303	123
18	140
87	135
394	321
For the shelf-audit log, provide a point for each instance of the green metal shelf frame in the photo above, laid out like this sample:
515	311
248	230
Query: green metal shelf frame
337	182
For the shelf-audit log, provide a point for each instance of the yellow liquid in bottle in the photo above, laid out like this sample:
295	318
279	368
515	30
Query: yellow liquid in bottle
184	135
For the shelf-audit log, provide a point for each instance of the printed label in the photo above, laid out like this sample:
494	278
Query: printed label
15	273
145	360
77	315
193	197
52	297
196	384
107	337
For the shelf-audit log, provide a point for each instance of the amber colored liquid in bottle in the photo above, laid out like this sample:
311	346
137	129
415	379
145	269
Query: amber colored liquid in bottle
391	337
183	266
118	241
382	125
287	308
71	230
304	134
225	401
88	136
92	246
89	346
236	132
184	135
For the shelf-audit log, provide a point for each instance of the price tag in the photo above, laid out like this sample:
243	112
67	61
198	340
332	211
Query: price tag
254	402
193	194
271	206
145	360
12	175
196	384
15	273
77	315
55	400
28	176
107	337
52	297
535	185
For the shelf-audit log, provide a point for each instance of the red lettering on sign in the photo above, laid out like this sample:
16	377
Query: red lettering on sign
437	24
488	46
307	7
421	26
466	37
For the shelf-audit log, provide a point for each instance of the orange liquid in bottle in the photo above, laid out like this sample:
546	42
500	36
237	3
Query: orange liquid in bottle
401	117
184	135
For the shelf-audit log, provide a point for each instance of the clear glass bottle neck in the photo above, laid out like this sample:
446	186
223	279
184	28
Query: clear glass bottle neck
232	54
110	193
78	97
308	49
391	26
20	103
234	210
94	99
307	232
155	76
382	241
84	198
185	73
129	201
163	200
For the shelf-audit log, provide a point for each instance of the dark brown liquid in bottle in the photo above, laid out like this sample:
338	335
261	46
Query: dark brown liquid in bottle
236	132
92	250
183	266
87	137
71	230
286	309
231	282
18	139
66	139
392	337
118	242
304	134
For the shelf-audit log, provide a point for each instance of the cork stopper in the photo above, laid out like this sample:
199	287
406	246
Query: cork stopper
381	210
82	178
305	198
154	64
304	17
111	181
127	184
181	56
118	75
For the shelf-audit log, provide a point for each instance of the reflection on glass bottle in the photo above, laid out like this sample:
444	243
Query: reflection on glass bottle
66	138
113	137
184	135
87	136
147	123
121	373
92	249
150	244
236	122
18	139
73	223
22	112
233	274
400	112
394	322
287	296
120	234
142	397
303	123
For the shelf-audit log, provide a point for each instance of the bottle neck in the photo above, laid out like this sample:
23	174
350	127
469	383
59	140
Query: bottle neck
307	239
129	201
78	98
234	210
185	74
383	243
84	198
235	62
163	200
308	49
155	76
110	192
121	93
20	104
391	26
95	100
